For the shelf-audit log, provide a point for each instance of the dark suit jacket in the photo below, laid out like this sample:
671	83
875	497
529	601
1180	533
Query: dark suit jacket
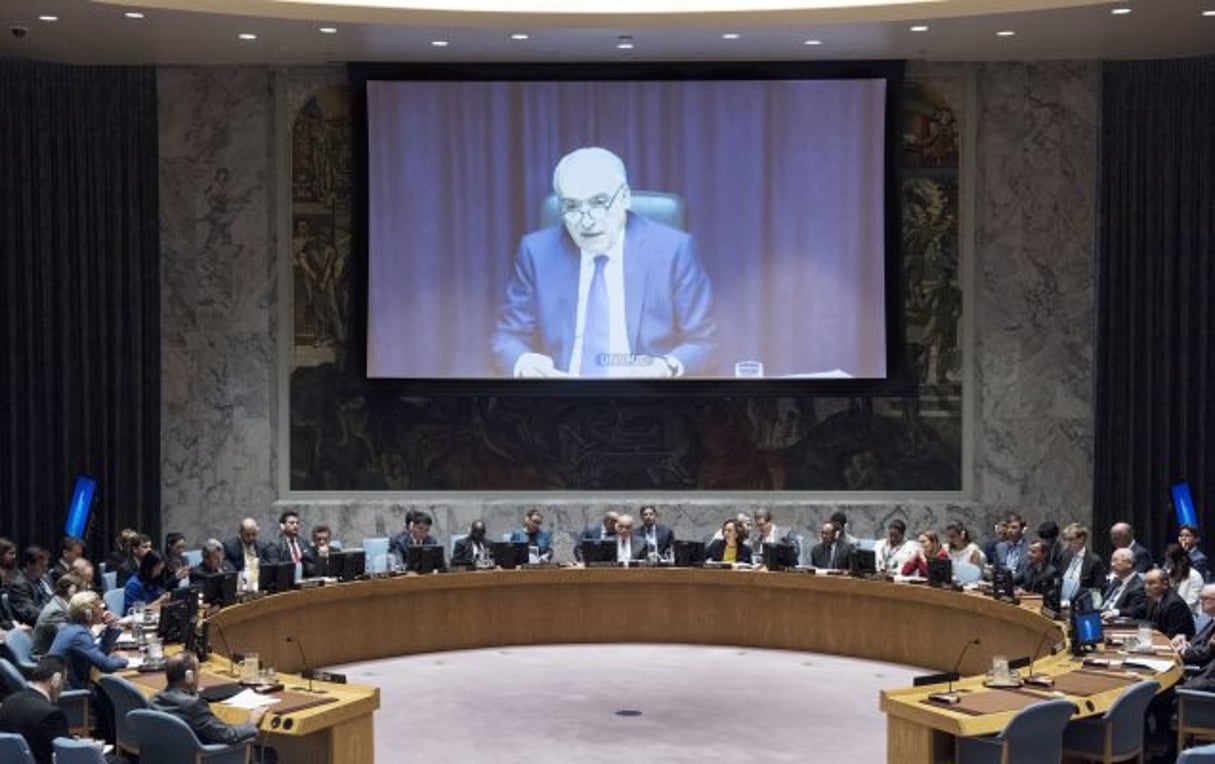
1022	562
718	548
464	552
1171	616
592	532
668	299
662	534
1092	569
1200	563
27	597
1039	580
1199	653
400	542
195	712
1132	603
234	553
29	714
312	562
284	551
838	560
1143	558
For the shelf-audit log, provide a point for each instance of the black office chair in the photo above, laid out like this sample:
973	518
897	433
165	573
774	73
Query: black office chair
658	206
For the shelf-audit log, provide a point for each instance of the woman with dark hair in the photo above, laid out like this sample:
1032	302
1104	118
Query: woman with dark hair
146	585
176	567
8	562
730	547
1184	580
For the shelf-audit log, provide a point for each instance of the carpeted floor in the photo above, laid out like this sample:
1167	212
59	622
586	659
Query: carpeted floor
624	703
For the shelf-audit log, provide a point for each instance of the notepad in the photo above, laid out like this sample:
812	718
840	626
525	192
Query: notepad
249	700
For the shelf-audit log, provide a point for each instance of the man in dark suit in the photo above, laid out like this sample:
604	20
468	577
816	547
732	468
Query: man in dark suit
1013	552
630	547
31	589
1039	576
658	538
1188	536
605	529
418	534
180	698
1048	531
1080	568
991	549
245	549
1198	650
1122	536
539	541
1124	596
611	294
831	552
473	548
33	714
290	545
316	556
1168	612
71	550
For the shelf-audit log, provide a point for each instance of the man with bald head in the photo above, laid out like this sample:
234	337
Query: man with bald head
1198	650
608	293
1124	596
246	554
1122	536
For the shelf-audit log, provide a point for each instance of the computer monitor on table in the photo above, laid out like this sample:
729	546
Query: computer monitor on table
424	559
688	554
598	551
276	577
220	588
1088	631
940	573
780	556
348	565
175	619
862	562
509	554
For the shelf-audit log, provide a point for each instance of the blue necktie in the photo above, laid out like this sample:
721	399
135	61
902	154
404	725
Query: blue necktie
595	327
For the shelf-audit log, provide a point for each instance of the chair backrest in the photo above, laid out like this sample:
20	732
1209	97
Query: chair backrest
193	557
116	601
451	546
866	544
125	697
376	554
10	677
1203	754
965	573
14	749
20	645
109	581
659	206
71	751
1125	716
163	737
1035	734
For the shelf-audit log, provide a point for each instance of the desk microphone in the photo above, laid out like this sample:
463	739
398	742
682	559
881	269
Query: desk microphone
1035	679
949	696
227	651
304	670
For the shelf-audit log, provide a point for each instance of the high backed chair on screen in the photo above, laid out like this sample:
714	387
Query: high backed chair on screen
71	751
124	697
1033	736
1117	734
14	749
165	739
659	206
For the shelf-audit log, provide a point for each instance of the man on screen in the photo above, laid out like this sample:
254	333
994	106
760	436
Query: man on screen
612	294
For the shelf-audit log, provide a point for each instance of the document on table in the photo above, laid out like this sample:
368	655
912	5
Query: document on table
1155	664
249	700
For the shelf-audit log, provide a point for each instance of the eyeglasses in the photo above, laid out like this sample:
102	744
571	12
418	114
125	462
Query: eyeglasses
597	206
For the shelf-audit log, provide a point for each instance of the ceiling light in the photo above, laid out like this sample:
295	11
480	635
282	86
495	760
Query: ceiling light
1208	13
731	36
519	36
624	42
247	36
440	43
920	28
1120	11
327	30
1005	33
48	18
813	42
133	15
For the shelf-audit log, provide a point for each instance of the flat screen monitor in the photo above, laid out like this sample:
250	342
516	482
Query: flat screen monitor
1183	503
1087	629
509	554
174	620
424	559
185	594
276	577
780	556
598	551
353	564
862	562
220	588
80	507
688	554
1003	584
940	573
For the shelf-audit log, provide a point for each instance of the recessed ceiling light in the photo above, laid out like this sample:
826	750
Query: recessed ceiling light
327	30
133	15
48	18
247	36
1208	13
519	36
440	43
1120	11
813	42
731	36
1005	33
920	28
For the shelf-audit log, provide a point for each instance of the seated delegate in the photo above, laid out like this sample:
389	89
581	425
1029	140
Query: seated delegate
730	547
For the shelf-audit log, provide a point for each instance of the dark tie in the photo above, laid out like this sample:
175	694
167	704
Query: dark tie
595	326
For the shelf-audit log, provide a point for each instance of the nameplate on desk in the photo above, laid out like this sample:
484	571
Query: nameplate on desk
323	676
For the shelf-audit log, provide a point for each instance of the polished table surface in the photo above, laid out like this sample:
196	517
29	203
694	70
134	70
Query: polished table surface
873	619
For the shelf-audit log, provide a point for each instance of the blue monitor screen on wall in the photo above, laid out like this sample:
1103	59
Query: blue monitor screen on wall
1183	503
78	509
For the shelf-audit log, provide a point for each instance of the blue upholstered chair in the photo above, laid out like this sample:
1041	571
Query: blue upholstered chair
116	601
10	677
124	697
20	646
377	555
71	751
14	750
1204	754
1033	736
1118	733
966	573
193	557
165	739
75	703
1195	715
109	581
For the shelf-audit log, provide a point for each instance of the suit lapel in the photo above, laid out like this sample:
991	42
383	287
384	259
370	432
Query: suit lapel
636	274
565	286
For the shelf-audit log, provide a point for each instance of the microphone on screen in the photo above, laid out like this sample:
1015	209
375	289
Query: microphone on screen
304	672
949	696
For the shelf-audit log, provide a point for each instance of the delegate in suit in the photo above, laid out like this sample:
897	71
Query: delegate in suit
619	296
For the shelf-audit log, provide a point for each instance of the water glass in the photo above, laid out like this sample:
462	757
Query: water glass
249	668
